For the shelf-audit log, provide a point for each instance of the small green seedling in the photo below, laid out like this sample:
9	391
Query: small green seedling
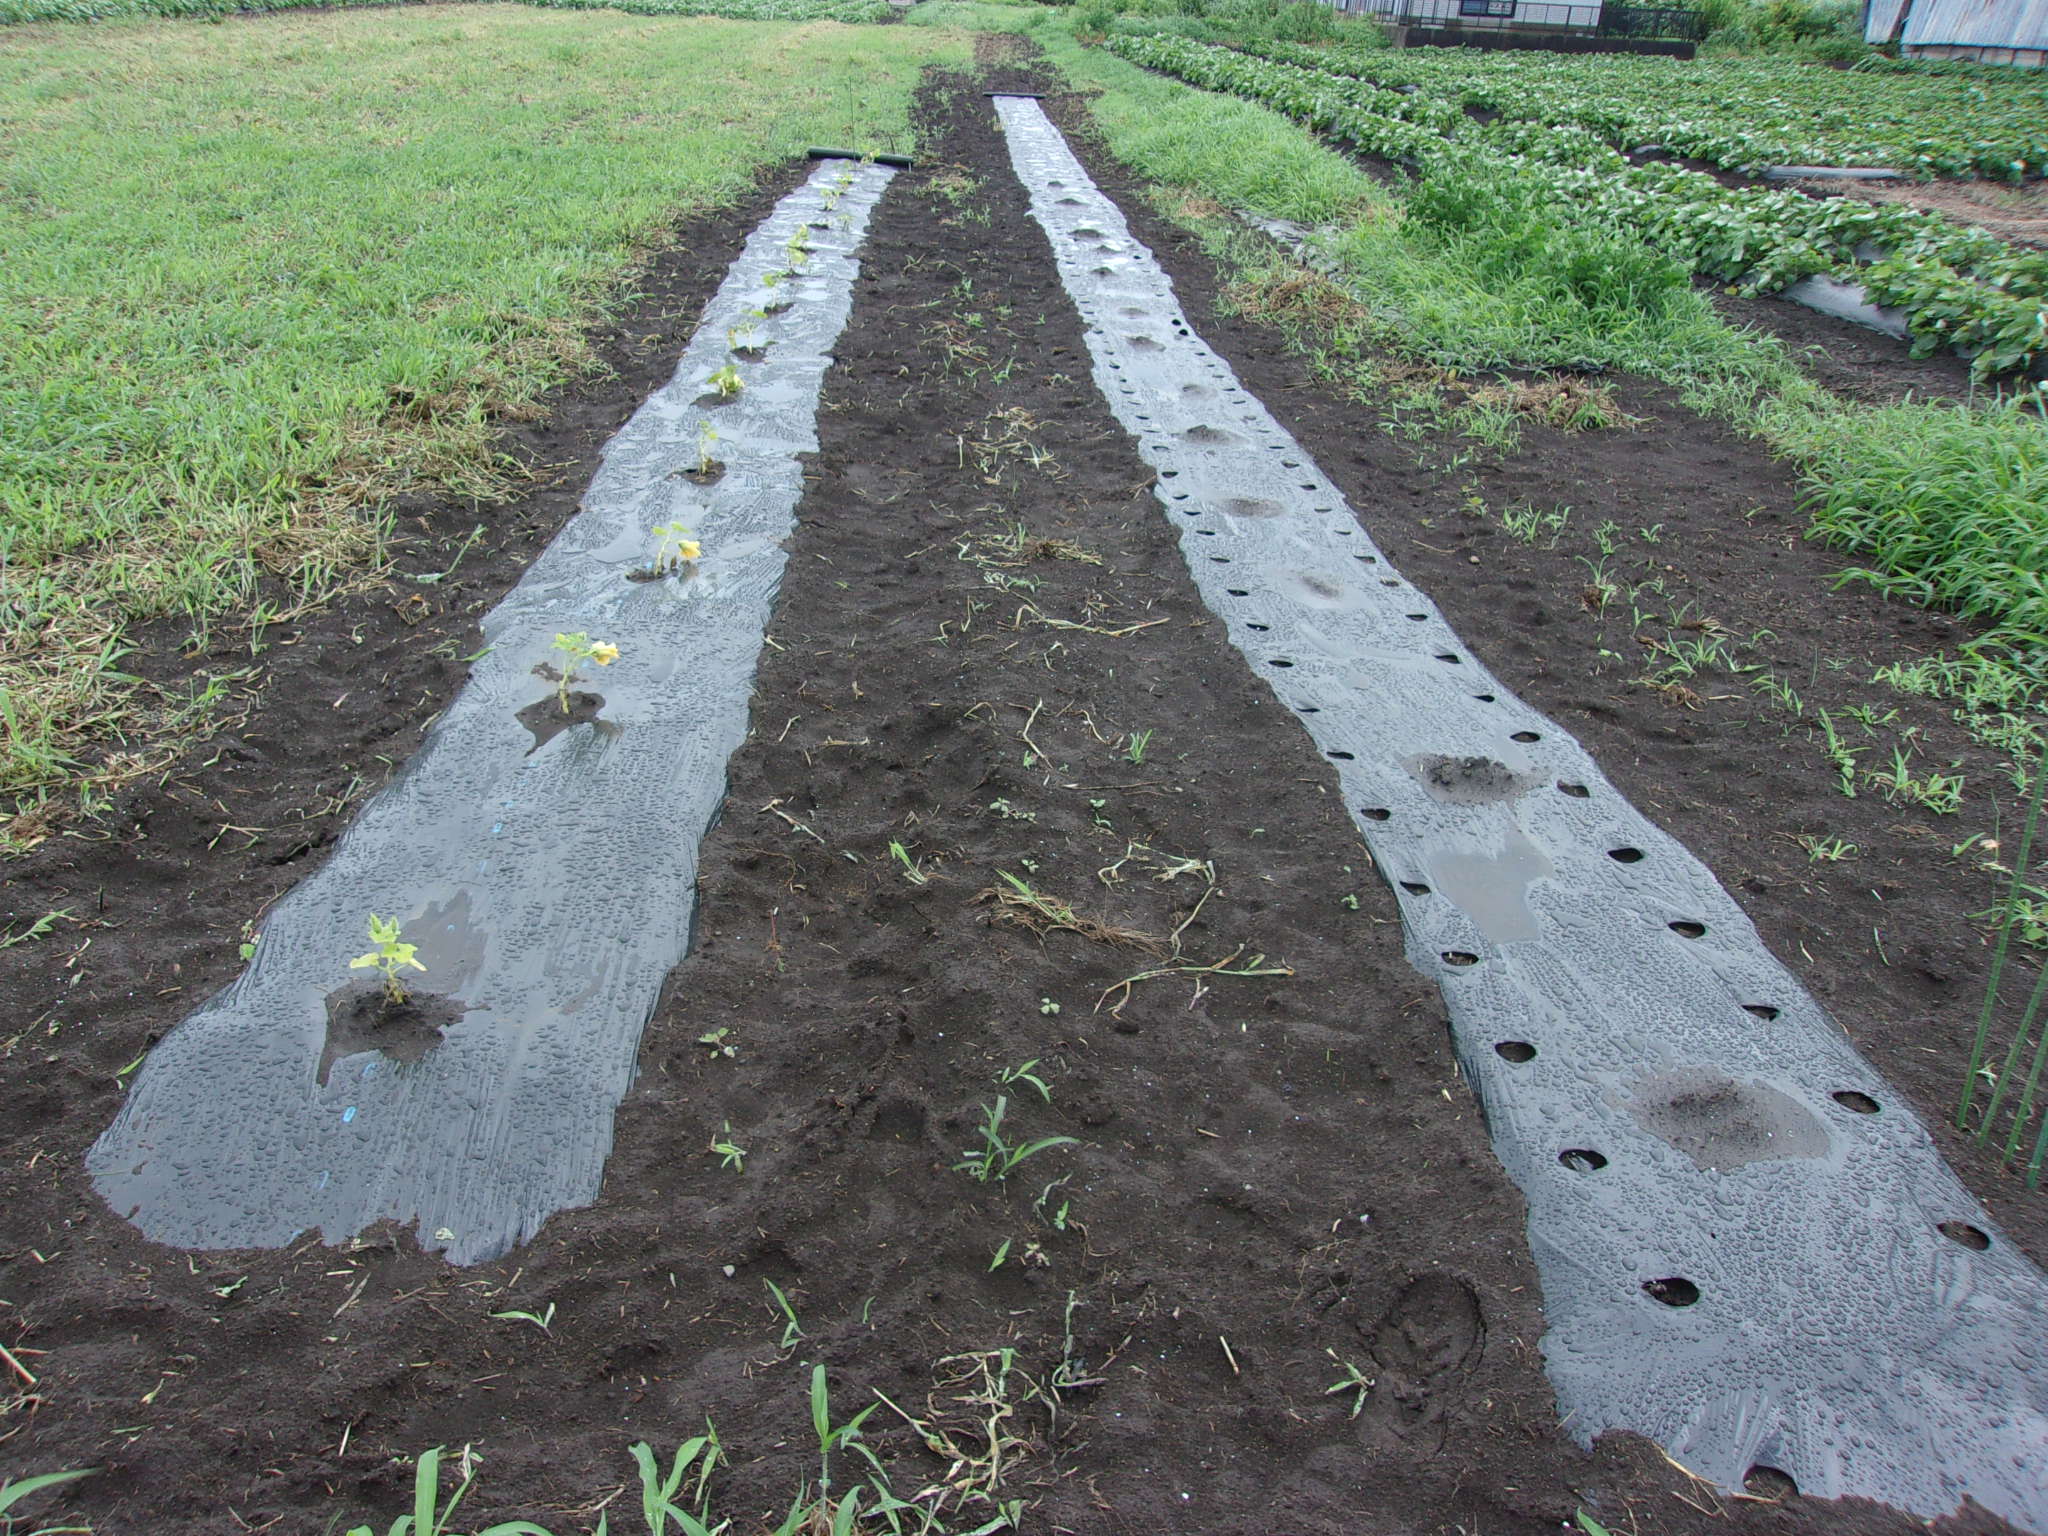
1354	1380
14	1490
1056	1219
727	382
832	1437
676	550
37	929
1829	849
1002	1253
1047	1006
579	647
390	957
544	1321
430	1517
1140	740
1009	1076
707	439
729	1155
911	870
658	1493
741	337
792	1330
996	1159
718	1042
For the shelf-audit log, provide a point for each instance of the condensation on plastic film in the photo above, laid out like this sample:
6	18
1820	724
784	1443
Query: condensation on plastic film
547	876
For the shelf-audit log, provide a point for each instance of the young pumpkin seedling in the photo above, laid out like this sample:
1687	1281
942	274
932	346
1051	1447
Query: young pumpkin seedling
727	382
677	548
390	957
576	648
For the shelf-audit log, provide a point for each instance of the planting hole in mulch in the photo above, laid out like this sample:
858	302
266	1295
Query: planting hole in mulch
364	1018
547	719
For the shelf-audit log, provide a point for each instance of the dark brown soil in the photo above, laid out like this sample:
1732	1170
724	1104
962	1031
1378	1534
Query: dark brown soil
1851	360
982	607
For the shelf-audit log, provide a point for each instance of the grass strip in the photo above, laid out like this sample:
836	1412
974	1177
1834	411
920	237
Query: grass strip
260	278
23	11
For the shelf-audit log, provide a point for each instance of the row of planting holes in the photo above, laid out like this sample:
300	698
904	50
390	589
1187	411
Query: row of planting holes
1672	1291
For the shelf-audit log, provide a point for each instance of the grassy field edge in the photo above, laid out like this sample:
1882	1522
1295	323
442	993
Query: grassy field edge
263	279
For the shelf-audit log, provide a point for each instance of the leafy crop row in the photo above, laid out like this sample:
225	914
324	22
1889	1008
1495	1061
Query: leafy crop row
850	11
1957	286
1739	115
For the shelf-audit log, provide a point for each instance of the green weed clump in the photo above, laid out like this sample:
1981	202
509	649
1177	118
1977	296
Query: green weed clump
13	1491
1286	21
1827	31
678	1501
1948	504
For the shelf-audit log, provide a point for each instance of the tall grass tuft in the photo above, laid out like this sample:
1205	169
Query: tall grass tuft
1948	503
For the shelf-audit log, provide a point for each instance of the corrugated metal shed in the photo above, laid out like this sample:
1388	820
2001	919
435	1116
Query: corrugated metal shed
1997	31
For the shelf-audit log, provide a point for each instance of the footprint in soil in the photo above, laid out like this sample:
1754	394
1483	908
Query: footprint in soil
898	1118
1428	1340
362	1018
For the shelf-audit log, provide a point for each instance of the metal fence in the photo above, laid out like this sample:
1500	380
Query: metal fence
1652	21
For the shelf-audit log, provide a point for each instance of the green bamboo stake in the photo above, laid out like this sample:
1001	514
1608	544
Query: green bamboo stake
2026	1104
2012	905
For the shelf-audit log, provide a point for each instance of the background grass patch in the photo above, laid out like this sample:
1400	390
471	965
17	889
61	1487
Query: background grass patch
262	276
